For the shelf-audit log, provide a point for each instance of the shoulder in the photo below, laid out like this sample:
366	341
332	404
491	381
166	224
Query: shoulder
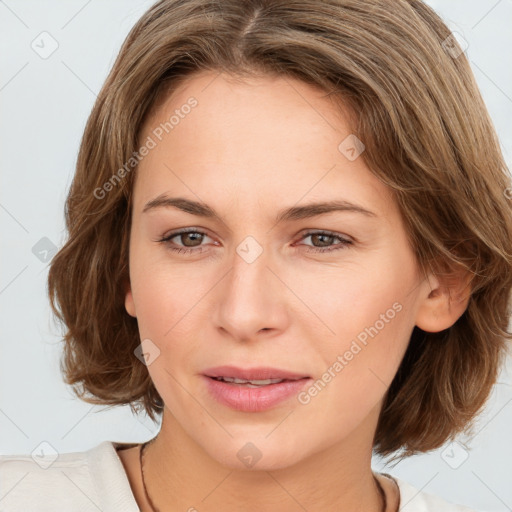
90	480
415	500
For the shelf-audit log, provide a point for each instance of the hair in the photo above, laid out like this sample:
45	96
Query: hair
427	135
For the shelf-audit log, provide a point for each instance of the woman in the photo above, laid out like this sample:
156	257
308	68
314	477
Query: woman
289	236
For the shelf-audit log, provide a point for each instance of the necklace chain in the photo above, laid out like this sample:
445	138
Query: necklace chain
154	509
141	455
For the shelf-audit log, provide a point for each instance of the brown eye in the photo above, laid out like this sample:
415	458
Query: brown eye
325	239
189	241
191	238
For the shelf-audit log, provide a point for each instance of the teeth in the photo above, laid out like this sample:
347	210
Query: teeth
250	383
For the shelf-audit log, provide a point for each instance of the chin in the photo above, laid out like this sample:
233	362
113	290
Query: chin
261	454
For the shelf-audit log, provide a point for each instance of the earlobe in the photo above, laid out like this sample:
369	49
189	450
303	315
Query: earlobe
445	301
129	304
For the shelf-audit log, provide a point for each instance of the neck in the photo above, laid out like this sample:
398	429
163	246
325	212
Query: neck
180	475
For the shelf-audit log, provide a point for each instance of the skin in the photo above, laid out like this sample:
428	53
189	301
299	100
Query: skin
248	150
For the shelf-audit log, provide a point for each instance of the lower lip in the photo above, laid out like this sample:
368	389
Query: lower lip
243	398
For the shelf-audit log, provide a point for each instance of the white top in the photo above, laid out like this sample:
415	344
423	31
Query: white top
95	480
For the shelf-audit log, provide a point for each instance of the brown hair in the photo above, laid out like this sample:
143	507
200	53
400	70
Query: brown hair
427	134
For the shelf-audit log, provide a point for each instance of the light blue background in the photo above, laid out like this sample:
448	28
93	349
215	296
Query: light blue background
44	106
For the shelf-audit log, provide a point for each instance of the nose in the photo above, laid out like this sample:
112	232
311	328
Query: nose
252	298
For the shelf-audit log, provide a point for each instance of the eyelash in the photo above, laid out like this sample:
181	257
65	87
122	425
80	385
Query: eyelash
342	245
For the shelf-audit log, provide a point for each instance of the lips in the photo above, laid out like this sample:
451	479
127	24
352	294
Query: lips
253	374
253	389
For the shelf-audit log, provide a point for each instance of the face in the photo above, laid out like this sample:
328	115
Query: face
326	298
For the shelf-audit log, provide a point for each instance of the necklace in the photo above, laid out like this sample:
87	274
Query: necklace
141	459
154	509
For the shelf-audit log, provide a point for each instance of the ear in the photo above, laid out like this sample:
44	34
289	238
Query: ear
446	298
129	304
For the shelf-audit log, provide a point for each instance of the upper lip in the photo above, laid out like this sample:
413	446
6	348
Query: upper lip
260	373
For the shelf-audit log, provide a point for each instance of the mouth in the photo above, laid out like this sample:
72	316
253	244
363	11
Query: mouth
261	376
253	389
254	383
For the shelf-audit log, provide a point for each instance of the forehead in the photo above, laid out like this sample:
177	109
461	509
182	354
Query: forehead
250	104
263	139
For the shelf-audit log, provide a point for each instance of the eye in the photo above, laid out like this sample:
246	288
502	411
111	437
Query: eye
191	239
325	238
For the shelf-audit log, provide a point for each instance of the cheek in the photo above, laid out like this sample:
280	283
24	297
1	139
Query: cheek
354	297
372	325
167	306
370	315
170	304
163	291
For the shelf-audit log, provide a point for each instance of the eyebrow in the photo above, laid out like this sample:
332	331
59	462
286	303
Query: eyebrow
289	214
